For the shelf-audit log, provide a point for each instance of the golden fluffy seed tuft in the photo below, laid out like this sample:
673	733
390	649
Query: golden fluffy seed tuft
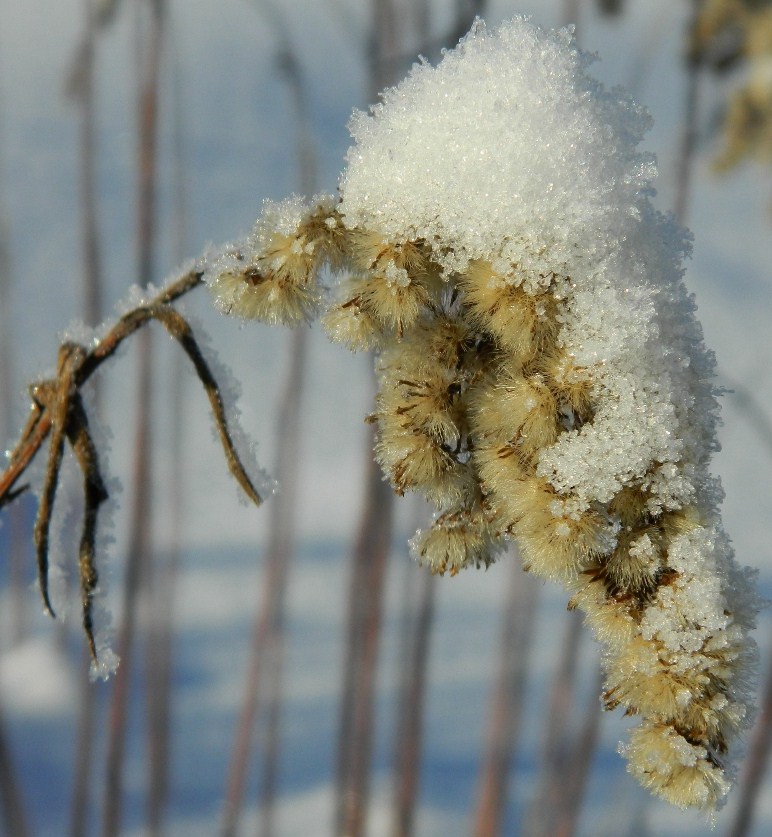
352	326
633	568
630	507
324	227
288	258
501	471
610	621
457	539
556	537
265	297
415	462
665	762
521	412
501	309
424	405
570	383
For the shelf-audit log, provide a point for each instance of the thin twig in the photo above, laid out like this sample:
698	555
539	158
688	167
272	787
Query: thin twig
38	424
94	494
57	411
54	397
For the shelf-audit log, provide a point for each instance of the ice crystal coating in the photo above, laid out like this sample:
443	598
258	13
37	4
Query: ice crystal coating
542	376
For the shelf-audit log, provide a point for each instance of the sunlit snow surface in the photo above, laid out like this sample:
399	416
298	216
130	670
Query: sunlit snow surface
237	147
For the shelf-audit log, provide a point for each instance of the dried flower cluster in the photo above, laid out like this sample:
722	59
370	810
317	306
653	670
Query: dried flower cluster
728	33
542	377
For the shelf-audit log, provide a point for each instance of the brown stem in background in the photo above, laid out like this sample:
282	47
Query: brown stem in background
159	649
281	547
263	689
371	549
84	749
137	556
689	131
11	802
138	566
506	702
547	799
282	524
370	552
81	87
18	547
578	766
363	633
409	735
571	12
756	762
757	757
265	653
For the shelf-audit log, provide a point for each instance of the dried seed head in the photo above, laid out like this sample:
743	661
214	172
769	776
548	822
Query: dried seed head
499	308
457	539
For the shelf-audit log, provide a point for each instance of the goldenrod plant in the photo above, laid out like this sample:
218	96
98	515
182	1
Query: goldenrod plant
728	33
542	376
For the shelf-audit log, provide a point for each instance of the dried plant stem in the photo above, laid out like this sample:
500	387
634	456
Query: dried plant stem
571	12
11	802
39	421
84	750
83	88
757	758
137	554
266	647
56	398
159	648
755	764
577	768
281	549
506	703
264	692
411	706
57	411
38	425
546	802
369	559
688	147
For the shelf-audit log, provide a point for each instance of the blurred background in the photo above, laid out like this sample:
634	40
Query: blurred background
289	670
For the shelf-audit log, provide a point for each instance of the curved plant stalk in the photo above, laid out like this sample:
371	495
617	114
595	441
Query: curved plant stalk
57	412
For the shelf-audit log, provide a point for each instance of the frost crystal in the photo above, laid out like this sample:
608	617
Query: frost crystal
542	374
